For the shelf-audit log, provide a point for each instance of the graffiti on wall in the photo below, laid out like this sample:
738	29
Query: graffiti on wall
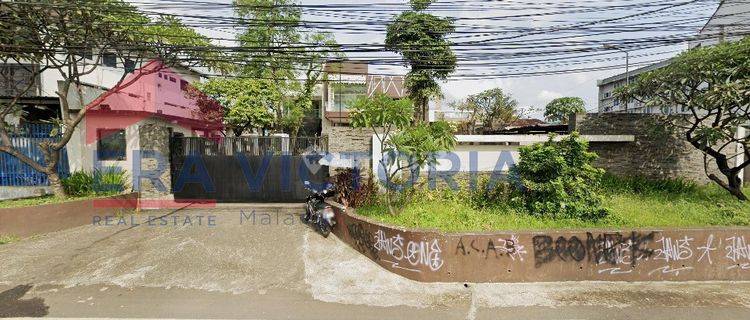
533	256
417	254
487	247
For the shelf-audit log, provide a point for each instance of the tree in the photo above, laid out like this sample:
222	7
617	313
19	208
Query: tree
57	35
560	109
275	48
391	122
493	108
421	38
712	84
243	104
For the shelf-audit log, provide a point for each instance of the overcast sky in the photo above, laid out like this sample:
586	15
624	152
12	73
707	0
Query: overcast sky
495	19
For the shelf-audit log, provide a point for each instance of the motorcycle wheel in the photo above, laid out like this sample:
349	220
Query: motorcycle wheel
323	227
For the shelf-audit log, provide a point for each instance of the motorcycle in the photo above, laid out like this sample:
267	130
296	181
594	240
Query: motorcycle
317	212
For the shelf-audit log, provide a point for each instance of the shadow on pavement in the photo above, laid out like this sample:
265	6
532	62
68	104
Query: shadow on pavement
11	304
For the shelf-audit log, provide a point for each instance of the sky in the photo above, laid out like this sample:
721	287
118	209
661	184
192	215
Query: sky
500	42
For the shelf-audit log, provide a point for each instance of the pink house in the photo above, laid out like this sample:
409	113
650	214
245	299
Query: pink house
112	132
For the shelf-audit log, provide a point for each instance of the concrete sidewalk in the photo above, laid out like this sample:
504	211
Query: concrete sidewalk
259	262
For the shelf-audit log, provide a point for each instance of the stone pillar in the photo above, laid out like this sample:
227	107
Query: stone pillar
154	179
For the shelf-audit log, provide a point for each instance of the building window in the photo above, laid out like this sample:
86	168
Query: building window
345	94
129	65
111	144
183	85
109	59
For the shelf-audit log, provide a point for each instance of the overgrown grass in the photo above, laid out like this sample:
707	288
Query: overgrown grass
17	203
635	203
5	239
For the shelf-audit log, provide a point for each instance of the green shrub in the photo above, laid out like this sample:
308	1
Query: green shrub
490	193
557	179
79	184
643	185
110	180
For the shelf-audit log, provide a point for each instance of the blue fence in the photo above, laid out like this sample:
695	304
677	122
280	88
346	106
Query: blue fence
14	172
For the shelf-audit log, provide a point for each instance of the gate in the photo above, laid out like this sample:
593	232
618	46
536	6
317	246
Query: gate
14	172
245	169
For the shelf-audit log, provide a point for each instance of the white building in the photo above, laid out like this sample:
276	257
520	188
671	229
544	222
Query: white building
730	22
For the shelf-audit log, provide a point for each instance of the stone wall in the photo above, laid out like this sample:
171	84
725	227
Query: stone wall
348	139
656	153
154	137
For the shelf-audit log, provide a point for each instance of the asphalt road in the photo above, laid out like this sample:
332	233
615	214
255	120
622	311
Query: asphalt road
266	265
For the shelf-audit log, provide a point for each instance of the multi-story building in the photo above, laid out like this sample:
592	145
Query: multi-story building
728	23
608	102
110	133
348	80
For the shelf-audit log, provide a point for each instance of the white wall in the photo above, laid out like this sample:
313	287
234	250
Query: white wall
82	156
493	152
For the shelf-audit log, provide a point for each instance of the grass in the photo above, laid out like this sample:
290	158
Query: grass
7	239
49	199
631	207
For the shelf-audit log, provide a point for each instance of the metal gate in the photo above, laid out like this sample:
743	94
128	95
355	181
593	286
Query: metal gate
246	169
14	172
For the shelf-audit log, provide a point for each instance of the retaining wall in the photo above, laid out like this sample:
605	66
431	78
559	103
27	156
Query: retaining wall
541	256
28	221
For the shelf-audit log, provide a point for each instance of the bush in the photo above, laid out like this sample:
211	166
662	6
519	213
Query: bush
111	180
488	193
78	184
352	191
557	179
643	185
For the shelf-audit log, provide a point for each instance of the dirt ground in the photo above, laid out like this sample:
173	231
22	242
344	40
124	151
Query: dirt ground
260	262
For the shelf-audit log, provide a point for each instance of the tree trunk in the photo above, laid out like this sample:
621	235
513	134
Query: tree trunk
388	201
56	183
734	186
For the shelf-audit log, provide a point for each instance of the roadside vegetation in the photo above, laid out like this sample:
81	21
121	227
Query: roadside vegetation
555	186
631	203
80	185
6	239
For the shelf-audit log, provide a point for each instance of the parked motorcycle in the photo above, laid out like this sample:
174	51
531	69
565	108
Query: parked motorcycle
318	213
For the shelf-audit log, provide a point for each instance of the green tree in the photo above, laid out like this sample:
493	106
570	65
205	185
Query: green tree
276	47
493	108
712	84
556	179
421	38
560	109
405	146
57	35
244	104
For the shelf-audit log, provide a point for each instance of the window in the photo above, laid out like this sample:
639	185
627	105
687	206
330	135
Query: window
345	94
111	144
109	59
183	85
129	65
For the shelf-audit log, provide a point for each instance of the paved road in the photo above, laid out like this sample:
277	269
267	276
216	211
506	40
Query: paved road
236	264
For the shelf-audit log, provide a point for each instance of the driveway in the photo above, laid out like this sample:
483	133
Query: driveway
259	262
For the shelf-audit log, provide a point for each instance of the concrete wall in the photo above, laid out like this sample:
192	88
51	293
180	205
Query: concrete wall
29	221
540	256
654	154
8	193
